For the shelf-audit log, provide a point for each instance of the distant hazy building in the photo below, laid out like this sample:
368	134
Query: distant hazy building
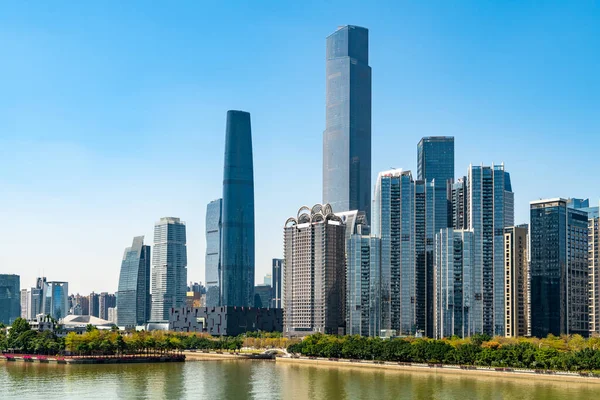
559	269
435	162
457	194
347	135
10	298
23	302
213	252
490	203
268	280
394	223
106	301
276	269
453	283
56	299
94	305
169	268
263	296
594	274
314	281
194	299
516	290
31	301
113	315
237	257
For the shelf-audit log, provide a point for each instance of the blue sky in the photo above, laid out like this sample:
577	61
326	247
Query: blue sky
112	114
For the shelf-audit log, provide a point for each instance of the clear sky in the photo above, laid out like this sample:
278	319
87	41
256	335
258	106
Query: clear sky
112	114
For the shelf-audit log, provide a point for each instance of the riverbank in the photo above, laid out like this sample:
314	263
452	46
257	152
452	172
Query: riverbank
92	360
215	356
444	369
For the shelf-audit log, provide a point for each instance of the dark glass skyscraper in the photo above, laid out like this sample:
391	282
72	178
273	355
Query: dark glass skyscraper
347	136
559	269
435	161
237	259
214	212
133	297
10	298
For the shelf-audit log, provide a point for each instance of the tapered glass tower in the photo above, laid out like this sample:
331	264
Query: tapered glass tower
237	259
347	136
213	252
133	298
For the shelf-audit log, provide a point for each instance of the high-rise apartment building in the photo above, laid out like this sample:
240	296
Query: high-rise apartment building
594	274
133	298
169	268
237	258
347	135
435	162
490	208
276	271
453	283
23	302
94	305
516	289
55	299
559	269
106	301
214	212
314	280
10	298
457	194
394	223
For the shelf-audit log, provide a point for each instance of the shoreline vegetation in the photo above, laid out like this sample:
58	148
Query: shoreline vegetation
551	355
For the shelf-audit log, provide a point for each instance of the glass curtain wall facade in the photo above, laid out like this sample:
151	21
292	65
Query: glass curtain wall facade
435	162
10	298
393	223
347	135
490	203
424	252
453	283
361	278
56	300
458	203
133	297
559	269
237	258
169	268
214	212
314	272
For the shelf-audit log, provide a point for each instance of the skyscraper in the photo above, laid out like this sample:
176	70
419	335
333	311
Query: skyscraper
490	208
169	268
277	282
594	273
106	301
559	269
55	299
453	283
435	162
424	255
457	194
516	290
133	298
237	259
10	298
94	307
394	224
213	252
314	279
347	136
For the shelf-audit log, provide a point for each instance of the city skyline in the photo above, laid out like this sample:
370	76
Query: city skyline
433	94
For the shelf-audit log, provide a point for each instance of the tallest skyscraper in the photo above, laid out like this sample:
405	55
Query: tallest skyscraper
347	136
237	257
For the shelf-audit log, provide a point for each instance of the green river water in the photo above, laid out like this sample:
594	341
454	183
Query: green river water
264	380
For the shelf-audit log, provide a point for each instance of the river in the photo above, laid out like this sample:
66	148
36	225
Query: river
264	380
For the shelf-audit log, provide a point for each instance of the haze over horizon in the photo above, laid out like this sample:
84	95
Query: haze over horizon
113	115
